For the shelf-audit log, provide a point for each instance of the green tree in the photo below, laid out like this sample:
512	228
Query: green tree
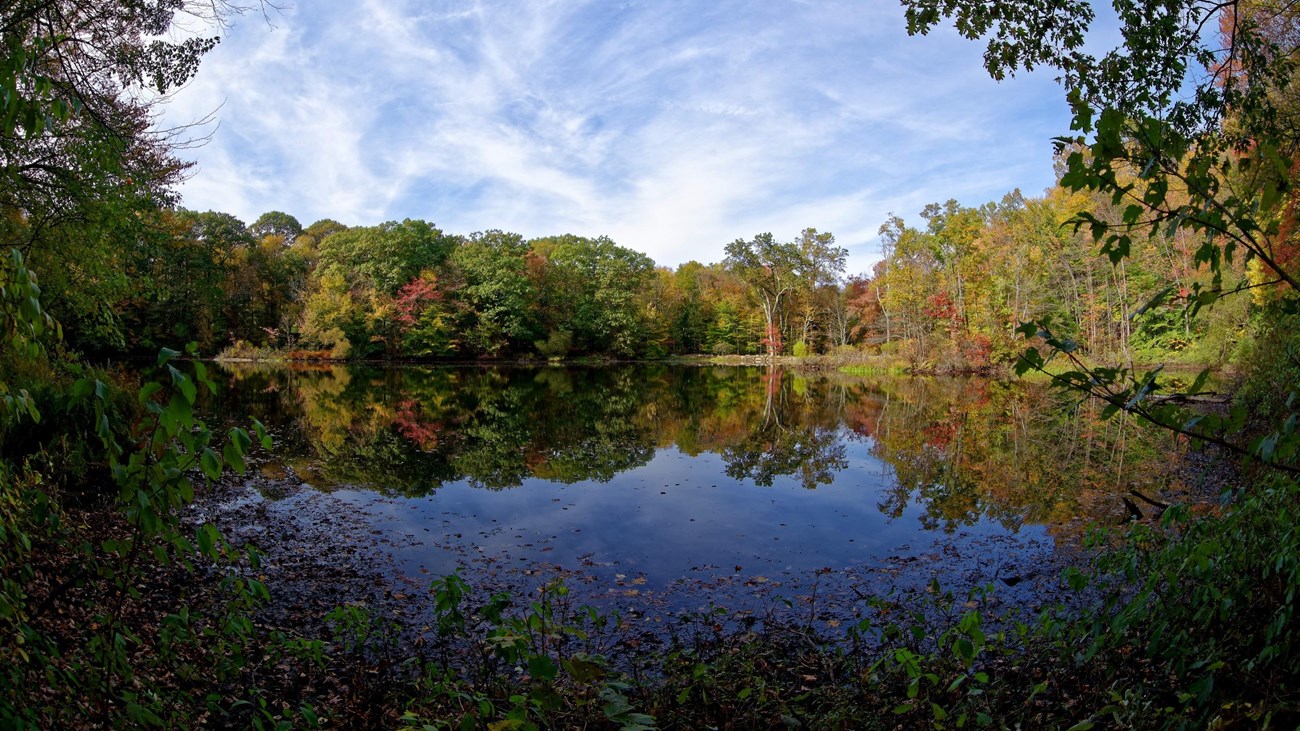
1212	155
823	267
590	287
497	291
179	277
332	317
358	274
688	329
1182	130
264	281
310	238
276	223
427	317
386	256
773	271
82	165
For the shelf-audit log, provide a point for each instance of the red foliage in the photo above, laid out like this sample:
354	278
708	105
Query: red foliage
415	296
772	340
864	301
408	423
940	434
864	416
940	307
775	377
1285	245
977	350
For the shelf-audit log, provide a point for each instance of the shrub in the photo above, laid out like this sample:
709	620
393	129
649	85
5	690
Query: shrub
556	346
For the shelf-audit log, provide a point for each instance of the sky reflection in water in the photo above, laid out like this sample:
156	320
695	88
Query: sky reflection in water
656	474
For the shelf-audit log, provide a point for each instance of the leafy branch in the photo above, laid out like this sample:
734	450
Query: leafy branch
1123	390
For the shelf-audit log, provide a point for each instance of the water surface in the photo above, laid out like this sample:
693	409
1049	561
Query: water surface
660	481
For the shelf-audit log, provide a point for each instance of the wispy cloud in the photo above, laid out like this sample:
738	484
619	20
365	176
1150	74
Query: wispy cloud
674	127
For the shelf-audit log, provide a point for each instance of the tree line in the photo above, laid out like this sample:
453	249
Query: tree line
946	295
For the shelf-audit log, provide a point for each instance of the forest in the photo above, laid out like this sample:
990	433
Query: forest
1170	237
945	297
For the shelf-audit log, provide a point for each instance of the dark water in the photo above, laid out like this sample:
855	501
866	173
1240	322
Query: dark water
728	481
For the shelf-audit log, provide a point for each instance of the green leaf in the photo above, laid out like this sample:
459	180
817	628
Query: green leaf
211	464
166	354
240	439
82	388
1117	248
542	668
148	390
583	670
1199	383
260	430
183	382
964	649
201	376
234	458
1153	302
141	715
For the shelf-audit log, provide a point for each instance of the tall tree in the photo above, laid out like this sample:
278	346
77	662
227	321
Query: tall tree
590	288
773	270
1180	129
276	223
497	292
82	163
823	266
386	256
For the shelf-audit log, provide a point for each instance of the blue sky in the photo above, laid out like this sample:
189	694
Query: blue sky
672	127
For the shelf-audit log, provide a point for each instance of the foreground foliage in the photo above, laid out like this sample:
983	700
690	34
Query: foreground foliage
1173	645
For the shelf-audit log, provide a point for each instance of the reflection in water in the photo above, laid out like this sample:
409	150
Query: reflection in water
668	484
960	451
1010	452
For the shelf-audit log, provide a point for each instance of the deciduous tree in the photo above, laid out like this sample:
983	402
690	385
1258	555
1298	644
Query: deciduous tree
773	270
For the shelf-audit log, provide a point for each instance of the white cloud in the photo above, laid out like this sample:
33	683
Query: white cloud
673	127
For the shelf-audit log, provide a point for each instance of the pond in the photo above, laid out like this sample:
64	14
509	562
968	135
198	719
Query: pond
677	486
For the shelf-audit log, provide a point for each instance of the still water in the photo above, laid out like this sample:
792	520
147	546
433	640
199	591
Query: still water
727	480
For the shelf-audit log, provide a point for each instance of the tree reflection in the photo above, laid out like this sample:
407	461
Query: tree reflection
960	451
969	449
794	436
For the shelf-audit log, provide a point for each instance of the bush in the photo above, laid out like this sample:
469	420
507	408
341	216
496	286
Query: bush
556	346
93	656
244	350
1271	369
1200	630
